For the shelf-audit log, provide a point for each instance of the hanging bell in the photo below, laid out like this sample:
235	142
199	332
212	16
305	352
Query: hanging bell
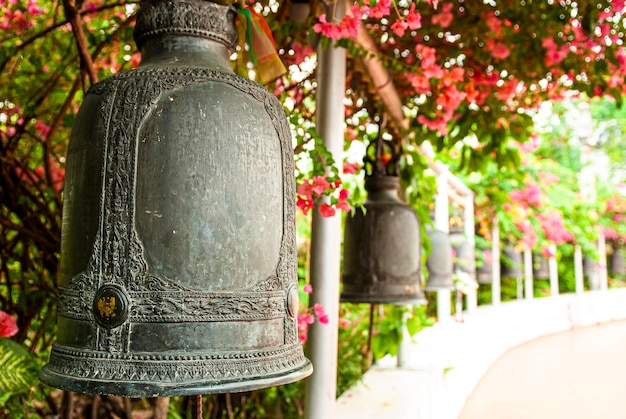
464	253
512	264
589	266
178	272
540	266
439	262
617	262
484	272
381	257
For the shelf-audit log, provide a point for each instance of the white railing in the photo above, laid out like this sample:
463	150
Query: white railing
446	361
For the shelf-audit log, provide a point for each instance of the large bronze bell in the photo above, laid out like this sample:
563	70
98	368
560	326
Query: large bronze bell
382	247
513	267
178	265
439	262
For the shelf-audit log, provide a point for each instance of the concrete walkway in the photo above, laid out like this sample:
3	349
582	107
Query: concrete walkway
578	374
439	373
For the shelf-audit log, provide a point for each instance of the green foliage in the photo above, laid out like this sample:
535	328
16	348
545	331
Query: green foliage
19	370
389	331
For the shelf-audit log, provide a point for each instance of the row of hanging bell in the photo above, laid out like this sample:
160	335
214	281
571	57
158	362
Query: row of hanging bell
178	272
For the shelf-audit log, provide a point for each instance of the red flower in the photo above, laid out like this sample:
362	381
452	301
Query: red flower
414	20
319	312
326	210
8	326
350	168
399	27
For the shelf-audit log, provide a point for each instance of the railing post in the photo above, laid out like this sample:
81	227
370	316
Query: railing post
528	274
578	269
326	237
471	299
442	223
602	271
495	266
553	269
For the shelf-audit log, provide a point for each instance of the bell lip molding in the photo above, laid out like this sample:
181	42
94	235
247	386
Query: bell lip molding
157	388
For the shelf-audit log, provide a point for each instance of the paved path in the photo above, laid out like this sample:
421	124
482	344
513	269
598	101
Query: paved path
580	374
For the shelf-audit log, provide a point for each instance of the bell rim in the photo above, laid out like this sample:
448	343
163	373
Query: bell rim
413	299
141	389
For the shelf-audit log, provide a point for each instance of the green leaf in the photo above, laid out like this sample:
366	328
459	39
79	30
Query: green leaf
19	369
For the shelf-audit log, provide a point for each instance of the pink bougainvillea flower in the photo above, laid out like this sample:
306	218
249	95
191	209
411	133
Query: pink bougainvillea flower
488	257
498	49
381	9
320	185
305	188
300	53
347	27
307	288
414	19
494	24
443	19
343	205
421	84
305	204
610	233
351	168
439	124
399	27
546	252
326	210
319	312
8	325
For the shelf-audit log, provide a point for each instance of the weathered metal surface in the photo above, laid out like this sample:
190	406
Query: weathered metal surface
464	258
540	266
178	267
382	247
439	263
617	262
513	267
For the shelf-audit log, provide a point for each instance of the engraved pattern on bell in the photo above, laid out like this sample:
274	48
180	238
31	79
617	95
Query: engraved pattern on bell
382	249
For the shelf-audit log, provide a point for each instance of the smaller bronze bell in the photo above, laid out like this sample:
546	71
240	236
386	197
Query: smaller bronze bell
464	253
512	268
381	259
484	272
540	266
616	262
589	266
439	262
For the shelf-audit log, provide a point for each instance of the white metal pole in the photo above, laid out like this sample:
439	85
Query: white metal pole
553	270
495	267
602	271
404	350
528	274
471	300
578	269
326	237
442	223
